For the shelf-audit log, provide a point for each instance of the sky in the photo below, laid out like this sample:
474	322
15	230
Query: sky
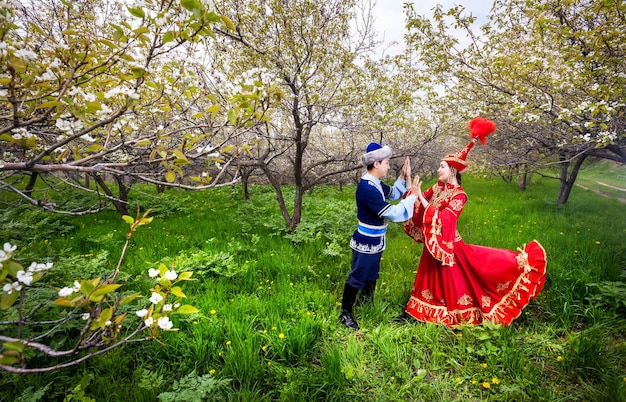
390	20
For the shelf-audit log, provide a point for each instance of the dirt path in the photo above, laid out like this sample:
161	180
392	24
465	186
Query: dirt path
605	195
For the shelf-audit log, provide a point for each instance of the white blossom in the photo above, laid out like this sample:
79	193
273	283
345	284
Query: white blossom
167	307
165	323
141	313
25	277
171	275
153	272
156	298
11	287
85	316
149	321
64	292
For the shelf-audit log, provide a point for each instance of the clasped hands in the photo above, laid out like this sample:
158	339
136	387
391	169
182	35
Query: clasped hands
415	184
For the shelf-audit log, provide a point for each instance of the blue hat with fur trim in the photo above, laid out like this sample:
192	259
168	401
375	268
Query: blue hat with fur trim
375	152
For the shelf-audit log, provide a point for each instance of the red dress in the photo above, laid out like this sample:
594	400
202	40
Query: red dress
459	283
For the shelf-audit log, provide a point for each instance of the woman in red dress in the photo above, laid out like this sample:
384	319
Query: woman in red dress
459	283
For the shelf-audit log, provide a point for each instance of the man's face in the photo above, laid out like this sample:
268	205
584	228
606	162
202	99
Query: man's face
381	168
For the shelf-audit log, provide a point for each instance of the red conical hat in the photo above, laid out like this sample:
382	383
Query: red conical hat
480	128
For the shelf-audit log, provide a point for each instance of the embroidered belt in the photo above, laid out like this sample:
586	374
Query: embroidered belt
371	230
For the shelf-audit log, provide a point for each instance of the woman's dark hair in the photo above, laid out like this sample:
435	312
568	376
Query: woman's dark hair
456	174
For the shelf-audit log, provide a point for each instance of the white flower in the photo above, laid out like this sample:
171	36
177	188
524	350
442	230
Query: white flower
108	323
66	291
10	287
141	313
4	256
76	286
171	275
9	248
7	252
35	267
153	272
167	307
25	277
165	323
149	321
156	298
85	316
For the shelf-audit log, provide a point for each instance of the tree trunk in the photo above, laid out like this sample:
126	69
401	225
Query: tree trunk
568	177
121	207
31	184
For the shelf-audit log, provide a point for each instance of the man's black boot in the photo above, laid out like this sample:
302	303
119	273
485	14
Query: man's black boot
367	293
347	302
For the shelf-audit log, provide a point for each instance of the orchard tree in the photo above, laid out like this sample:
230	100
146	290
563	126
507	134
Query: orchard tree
306	47
109	92
550	72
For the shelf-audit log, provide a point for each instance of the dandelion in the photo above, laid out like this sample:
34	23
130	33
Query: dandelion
212	371
495	380
458	379
559	358
171	275
165	323
290	283
597	242
486	385
460	335
274	328
141	313
281	335
264	348
228	343
474	382
269	363
155	298
483	365
152	273
213	312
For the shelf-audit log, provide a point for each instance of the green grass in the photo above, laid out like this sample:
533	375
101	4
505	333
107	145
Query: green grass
269	302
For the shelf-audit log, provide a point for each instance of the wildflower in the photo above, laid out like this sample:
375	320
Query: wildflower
559	358
167	307
486	385
64	292
34	267
149	321
153	272
264	348
274	328
597	242
460	335
85	316
483	365
25	277
108	323
213	312
228	343
141	313
281	335
165	323
458	379
212	371
474	382
171	275
10	287
495	380
155	298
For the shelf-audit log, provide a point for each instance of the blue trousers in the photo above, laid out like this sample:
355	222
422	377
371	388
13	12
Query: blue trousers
365	268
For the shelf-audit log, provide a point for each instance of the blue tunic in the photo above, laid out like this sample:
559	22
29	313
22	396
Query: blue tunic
373	211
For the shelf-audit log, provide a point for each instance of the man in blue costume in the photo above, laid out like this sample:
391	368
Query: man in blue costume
373	211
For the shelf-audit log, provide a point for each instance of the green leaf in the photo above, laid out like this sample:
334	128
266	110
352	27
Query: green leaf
48	104
128	219
183	276
137	12
178	292
130	298
7	300
103	290
8	360
228	22
170	176
143	143
191	4
186	309
15	346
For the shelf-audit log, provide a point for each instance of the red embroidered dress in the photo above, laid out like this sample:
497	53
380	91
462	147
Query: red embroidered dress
460	283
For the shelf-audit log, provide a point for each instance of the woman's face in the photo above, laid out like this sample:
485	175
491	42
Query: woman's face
444	171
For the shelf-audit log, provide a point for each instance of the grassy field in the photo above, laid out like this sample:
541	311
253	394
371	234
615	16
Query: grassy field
269	302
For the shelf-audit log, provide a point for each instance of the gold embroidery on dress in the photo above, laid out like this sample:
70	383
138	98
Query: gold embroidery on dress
427	295
486	301
503	286
465	300
456	205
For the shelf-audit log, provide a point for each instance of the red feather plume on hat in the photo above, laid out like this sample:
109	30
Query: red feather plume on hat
480	128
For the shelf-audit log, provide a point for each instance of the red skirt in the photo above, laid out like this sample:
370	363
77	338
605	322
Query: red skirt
483	284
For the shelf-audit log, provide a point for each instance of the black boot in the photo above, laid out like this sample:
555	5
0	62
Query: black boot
367	293
349	297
